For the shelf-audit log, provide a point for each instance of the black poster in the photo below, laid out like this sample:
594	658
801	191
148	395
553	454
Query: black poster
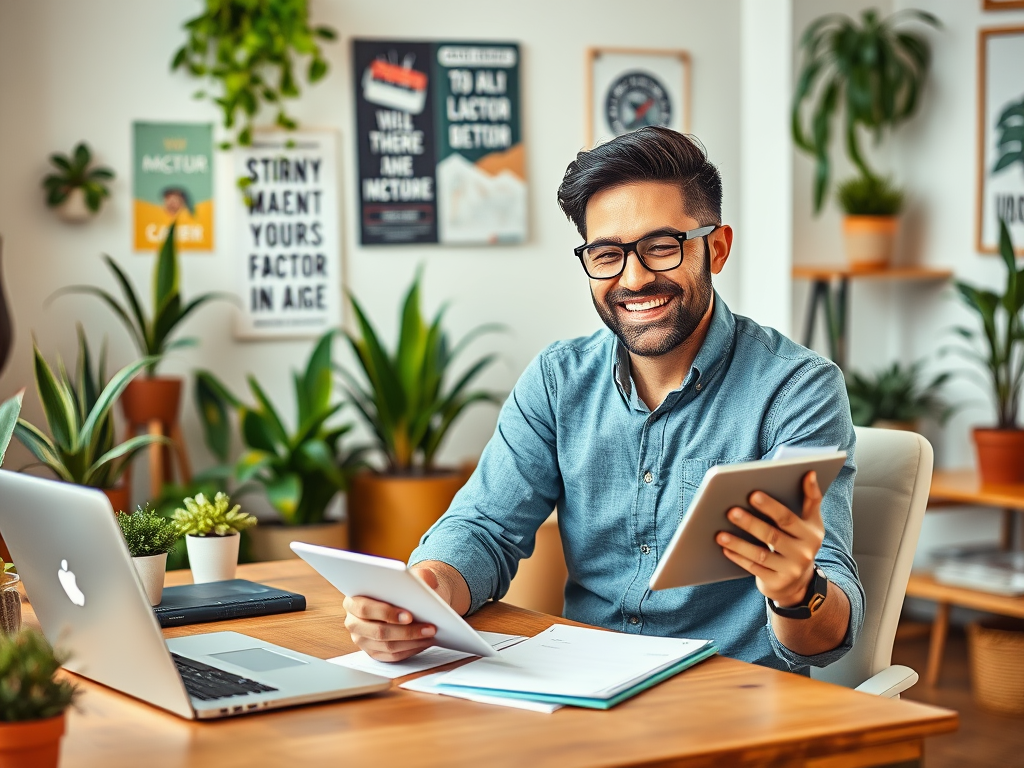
395	129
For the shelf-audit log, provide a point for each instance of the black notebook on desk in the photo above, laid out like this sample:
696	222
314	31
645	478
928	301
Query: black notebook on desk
219	600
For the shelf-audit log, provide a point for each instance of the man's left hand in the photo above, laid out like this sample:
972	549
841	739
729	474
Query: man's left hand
785	569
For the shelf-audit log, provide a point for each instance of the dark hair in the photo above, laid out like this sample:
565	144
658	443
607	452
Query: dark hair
648	154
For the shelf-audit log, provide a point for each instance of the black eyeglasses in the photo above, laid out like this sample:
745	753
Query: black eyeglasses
659	253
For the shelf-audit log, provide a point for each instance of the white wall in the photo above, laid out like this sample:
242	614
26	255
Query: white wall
73	71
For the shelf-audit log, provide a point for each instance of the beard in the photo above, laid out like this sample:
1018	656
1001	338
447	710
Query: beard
662	336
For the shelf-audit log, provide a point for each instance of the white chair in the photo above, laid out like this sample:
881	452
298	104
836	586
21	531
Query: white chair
890	493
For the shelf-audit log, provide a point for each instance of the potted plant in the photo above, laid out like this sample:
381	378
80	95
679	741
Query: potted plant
410	402
152	398
872	73
211	532
79	413
149	537
77	188
249	52
1001	356
300	471
10	599
896	398
33	703
871	206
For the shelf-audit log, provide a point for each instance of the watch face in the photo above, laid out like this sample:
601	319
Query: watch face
636	99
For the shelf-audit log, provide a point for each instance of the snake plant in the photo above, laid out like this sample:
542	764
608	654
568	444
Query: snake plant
9	411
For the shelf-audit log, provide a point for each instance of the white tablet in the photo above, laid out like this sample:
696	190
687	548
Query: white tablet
692	556
391	582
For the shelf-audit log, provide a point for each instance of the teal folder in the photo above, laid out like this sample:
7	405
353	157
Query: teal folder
594	703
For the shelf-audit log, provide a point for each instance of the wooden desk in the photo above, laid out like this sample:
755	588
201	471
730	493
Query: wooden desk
964	486
721	712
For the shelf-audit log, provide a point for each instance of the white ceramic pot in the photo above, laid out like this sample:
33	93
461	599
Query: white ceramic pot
151	572
74	210
212	558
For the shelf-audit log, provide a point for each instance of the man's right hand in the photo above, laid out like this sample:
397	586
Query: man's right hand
387	632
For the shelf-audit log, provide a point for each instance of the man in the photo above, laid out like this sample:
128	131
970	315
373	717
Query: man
617	430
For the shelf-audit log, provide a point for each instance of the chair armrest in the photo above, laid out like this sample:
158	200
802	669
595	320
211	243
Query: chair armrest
890	682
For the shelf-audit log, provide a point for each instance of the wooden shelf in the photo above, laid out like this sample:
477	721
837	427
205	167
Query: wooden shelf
965	486
925	586
832	271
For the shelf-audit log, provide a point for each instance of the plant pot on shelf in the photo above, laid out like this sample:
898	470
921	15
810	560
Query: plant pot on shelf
869	240
120	498
212	558
155	398
271	540
31	743
10	603
1000	455
388	514
151	572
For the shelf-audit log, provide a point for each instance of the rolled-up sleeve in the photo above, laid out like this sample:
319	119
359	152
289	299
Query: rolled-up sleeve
813	410
493	520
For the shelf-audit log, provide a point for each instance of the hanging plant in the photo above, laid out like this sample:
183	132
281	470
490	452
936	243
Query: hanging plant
872	70
249	51
76	182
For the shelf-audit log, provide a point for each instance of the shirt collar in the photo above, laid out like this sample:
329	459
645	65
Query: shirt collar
713	353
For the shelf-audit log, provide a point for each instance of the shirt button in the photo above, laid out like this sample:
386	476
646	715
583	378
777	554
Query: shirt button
648	477
645	549
698	387
634	620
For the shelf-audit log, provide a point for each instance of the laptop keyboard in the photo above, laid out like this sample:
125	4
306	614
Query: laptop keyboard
209	683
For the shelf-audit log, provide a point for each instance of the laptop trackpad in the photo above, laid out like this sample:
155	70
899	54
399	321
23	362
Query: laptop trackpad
258	659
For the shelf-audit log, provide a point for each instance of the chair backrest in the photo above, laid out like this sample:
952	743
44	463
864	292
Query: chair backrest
890	493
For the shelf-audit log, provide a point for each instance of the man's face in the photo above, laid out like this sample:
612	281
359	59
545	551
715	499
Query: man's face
652	313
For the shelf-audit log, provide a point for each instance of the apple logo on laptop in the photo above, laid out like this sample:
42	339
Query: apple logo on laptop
70	584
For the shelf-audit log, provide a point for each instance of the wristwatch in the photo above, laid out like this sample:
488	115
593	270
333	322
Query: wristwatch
812	601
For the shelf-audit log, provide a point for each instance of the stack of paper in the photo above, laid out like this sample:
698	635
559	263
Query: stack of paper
578	666
432	657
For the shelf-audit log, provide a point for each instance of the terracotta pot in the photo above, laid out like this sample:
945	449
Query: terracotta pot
152	399
31	743
869	240
270	541
388	513
212	558
1000	455
151	570
120	498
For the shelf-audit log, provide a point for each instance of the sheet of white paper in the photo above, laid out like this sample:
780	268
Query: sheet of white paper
428	659
575	661
428	684
800	451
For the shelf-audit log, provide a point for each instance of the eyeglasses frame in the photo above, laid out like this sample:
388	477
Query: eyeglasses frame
628	248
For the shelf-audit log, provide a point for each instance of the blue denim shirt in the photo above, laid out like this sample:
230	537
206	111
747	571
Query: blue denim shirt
574	433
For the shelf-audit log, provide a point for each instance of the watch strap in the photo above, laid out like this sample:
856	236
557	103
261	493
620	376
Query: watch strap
813	598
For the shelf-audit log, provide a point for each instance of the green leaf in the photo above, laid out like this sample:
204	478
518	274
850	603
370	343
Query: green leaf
165	278
126	451
283	493
258	432
111	392
9	411
212	405
58	404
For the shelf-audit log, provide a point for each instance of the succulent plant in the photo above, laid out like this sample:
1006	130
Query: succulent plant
74	172
28	690
147	532
201	517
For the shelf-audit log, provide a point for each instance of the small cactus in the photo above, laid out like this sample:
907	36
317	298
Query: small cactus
27	688
200	517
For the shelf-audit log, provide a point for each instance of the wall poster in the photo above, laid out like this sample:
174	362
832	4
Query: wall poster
441	156
1000	193
173	181
288	237
633	87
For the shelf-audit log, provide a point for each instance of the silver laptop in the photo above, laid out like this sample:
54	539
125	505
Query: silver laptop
87	596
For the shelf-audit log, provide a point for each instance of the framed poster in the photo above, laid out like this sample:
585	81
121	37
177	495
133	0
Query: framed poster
173	182
1000	191
441	155
629	88
289	246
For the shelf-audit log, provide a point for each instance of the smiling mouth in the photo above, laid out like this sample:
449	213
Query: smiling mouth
641	306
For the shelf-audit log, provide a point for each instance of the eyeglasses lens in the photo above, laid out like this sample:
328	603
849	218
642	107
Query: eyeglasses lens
657	253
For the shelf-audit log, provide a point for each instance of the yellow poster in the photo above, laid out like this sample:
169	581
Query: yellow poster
173	183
